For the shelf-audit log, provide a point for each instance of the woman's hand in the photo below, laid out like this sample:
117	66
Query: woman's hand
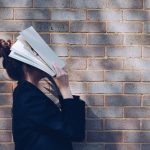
62	81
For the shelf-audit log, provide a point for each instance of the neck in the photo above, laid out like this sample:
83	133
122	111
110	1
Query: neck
32	79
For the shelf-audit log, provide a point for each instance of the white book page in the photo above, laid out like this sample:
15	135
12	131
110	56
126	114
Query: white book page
23	48
41	47
34	62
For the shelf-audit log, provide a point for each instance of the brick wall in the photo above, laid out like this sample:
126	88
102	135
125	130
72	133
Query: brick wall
106	46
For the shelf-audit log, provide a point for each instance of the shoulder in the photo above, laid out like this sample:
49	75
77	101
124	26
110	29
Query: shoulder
24	89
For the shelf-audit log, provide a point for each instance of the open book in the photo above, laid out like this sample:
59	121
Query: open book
31	49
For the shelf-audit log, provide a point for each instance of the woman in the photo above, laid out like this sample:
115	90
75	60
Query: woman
37	122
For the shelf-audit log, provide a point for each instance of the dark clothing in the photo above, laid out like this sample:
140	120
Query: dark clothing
39	124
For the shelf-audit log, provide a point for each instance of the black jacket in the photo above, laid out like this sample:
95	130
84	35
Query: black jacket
39	124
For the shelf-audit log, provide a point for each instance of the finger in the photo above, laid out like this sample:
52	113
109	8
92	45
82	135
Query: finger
60	72
57	70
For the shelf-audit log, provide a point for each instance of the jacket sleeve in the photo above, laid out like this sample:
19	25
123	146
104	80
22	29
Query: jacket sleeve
69	122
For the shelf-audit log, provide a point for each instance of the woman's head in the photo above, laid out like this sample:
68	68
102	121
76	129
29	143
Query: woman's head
16	70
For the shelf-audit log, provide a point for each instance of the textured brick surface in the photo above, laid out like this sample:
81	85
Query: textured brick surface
78	26
103	15
105	44
68	38
105	88
86	76
68	15
137	112
88	3
15	3
137	88
100	112
51	3
7	146
105	64
13	26
95	51
122	146
114	100
141	137
118	124
104	39
6	13
124	27
51	26
121	51
137	15
32	14
125	4
110	137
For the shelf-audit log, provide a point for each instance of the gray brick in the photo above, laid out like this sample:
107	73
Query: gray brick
80	51
6	124
60	50
105	88
68	38
5	36
51	26
146	27
107	112
5	112
7	146
105	64
137	64
104	15
146	101
137	112
119	100
68	15
122	124
5	87
82	26
46	37
32	14
92	124
146	4
137	137
15	3
4	76
123	51
5	136
51	3
122	146
137	39
13	26
122	76
145	147
6	13
105	39
5	99
78	87
146	51
125	4
142	88
145	125
88	3
134	15
124	27
93	100
105	137
76	64
86	76
145	76
88	146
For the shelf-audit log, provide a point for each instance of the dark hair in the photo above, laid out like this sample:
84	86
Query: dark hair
14	68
